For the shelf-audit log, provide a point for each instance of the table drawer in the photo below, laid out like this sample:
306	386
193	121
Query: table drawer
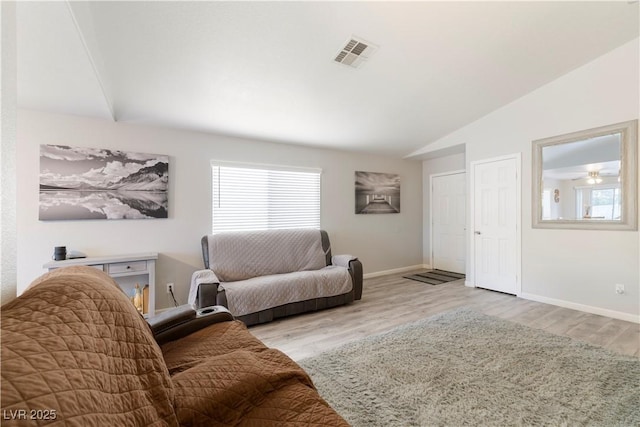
126	267
98	266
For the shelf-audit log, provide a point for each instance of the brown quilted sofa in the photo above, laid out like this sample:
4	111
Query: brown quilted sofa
76	352
267	274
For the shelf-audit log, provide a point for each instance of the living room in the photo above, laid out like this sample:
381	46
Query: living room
596	86
405	236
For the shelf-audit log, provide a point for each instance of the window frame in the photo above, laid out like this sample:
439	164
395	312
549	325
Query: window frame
580	193
268	168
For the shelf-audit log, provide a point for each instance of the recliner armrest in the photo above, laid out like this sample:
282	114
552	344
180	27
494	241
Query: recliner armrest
207	295
355	270
204	287
184	320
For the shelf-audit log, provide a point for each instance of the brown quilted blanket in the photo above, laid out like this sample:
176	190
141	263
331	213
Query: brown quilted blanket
76	352
224	376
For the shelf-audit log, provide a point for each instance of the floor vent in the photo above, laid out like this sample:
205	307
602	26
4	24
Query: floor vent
355	52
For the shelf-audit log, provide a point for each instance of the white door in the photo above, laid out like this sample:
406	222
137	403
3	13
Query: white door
495	222
448	194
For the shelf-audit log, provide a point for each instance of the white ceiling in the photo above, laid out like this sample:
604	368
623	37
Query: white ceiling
576	159
265	70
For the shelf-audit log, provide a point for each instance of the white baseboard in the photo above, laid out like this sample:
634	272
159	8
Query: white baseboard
581	307
469	284
396	270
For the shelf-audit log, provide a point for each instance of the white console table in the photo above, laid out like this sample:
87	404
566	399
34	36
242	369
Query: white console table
127	270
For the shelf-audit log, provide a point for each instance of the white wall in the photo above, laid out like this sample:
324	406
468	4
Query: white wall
8	92
574	268
382	242
551	185
430	167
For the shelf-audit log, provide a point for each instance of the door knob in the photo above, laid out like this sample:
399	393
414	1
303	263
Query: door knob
478	233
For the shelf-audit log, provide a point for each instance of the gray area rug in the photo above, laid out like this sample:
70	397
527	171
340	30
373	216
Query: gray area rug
465	368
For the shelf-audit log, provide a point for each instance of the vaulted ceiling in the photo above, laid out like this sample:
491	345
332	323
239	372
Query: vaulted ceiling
266	70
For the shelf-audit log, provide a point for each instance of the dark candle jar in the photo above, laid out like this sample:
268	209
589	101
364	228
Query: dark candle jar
60	253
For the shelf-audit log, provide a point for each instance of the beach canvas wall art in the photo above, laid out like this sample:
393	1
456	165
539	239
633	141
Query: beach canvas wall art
91	183
377	193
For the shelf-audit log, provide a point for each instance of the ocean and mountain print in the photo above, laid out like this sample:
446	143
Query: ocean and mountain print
92	183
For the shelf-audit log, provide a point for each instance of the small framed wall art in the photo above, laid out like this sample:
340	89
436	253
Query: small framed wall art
92	183
377	193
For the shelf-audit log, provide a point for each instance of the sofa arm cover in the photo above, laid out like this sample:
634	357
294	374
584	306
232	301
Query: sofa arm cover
184	320
204	283
342	260
355	270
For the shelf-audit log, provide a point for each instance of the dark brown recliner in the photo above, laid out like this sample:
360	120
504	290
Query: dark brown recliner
75	351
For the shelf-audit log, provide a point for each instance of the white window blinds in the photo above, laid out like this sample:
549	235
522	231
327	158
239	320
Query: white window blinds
260	197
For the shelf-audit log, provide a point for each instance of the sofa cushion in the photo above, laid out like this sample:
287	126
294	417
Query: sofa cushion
245	388
75	344
212	341
260	293
237	256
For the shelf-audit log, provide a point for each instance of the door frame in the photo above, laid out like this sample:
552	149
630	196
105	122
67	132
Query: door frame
431	177
471	275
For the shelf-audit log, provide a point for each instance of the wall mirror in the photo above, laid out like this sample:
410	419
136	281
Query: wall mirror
587	179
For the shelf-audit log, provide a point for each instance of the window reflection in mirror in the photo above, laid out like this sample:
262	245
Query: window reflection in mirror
587	179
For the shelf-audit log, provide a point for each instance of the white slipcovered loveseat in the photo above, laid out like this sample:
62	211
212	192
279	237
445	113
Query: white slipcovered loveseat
263	275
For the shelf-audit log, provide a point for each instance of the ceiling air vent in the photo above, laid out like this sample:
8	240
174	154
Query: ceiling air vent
355	52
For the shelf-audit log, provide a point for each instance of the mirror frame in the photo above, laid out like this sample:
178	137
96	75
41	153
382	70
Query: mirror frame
628	178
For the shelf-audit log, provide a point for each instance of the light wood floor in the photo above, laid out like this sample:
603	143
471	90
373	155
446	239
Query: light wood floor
389	301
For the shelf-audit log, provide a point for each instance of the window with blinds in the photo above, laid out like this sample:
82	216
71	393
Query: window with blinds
261	197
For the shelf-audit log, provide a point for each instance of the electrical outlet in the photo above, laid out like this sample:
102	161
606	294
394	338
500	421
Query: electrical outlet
169	287
619	288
